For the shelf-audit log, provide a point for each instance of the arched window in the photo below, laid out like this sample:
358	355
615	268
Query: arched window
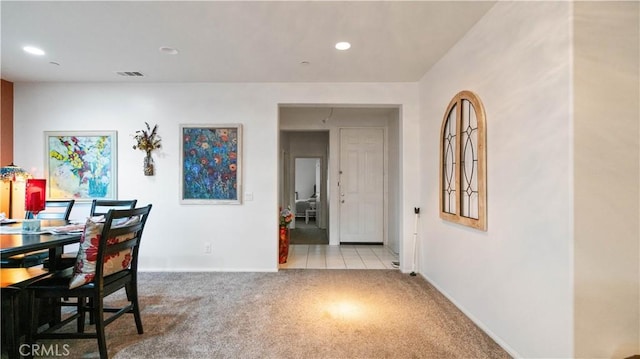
463	174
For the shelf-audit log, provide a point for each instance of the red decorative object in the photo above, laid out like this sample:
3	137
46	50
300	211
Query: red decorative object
35	195
284	244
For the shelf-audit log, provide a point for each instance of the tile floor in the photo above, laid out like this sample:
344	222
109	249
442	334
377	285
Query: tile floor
339	257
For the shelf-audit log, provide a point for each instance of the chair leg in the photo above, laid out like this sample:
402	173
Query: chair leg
98	308
132	295
92	316
10	305
81	312
55	311
127	289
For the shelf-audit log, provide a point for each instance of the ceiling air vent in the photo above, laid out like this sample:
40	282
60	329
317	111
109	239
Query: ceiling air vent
130	73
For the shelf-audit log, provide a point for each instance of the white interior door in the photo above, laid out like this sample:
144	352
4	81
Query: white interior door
361	185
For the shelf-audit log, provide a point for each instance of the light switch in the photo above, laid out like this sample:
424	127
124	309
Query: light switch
248	196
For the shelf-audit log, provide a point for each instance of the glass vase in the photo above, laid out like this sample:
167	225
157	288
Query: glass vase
149	169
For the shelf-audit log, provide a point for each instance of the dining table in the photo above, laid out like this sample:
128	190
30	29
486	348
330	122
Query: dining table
14	240
53	236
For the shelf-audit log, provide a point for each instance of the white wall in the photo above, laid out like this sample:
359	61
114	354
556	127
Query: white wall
515	280
607	179
175	234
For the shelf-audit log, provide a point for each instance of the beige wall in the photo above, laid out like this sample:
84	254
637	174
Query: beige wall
607	178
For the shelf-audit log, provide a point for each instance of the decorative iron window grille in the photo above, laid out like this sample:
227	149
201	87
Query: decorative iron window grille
463	184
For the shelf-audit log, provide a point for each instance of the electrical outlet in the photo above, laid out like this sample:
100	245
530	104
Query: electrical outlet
207	248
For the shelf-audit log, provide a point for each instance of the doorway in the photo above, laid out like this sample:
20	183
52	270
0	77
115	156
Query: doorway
298	121
309	200
304	176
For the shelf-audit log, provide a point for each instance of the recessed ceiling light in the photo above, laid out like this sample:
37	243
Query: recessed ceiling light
168	50
33	50
343	45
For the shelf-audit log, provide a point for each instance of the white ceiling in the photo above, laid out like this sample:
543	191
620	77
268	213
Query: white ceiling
231	41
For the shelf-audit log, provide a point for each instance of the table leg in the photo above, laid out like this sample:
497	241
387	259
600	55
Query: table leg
55	254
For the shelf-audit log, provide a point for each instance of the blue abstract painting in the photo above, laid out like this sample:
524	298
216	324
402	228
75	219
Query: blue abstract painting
210	164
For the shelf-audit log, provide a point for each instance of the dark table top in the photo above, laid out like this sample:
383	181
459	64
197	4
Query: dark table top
19	243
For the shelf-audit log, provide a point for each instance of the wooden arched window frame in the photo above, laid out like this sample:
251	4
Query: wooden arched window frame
463	167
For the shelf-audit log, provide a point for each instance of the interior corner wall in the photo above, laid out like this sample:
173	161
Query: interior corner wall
607	179
516	279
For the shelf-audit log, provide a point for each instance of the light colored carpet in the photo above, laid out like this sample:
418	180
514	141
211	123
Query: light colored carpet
292	314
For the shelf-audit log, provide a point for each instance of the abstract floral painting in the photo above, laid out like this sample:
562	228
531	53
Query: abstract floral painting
81	165
211	164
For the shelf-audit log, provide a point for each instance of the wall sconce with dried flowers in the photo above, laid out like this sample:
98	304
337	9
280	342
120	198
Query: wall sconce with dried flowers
147	140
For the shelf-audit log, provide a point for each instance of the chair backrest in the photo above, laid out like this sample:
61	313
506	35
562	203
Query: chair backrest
54	209
101	207
118	234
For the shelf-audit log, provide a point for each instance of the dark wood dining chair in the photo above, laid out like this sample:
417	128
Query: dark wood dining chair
90	296
102	206
99	207
54	209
